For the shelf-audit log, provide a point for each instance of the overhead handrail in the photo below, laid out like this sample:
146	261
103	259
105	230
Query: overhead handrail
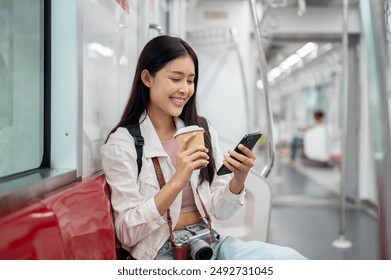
157	27
263	66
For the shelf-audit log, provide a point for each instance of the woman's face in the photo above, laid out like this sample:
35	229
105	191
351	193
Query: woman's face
171	87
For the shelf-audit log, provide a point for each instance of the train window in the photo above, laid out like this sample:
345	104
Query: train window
21	85
316	98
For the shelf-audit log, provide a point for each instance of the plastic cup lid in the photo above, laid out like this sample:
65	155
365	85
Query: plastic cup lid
188	129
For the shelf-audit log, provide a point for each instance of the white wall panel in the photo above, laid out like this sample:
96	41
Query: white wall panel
109	61
64	79
221	92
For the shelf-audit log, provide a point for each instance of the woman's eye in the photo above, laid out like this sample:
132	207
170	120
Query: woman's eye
190	82
176	80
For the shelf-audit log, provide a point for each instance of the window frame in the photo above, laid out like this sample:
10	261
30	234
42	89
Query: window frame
32	184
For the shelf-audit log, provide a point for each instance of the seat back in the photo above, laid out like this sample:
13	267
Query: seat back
251	221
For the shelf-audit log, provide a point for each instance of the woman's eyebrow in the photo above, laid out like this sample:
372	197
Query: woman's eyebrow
181	73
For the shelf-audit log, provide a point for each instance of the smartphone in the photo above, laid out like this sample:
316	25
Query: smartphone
248	140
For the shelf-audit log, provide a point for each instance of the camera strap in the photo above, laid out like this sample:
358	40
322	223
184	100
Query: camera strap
206	215
162	182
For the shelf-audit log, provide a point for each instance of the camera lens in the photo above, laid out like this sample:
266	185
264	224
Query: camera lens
200	250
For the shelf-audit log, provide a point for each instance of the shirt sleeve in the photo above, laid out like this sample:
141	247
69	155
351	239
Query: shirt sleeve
135	213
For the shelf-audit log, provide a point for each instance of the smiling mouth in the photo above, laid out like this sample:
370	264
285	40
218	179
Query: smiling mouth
178	101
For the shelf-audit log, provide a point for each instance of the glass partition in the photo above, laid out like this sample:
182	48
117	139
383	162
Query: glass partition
375	16
21	85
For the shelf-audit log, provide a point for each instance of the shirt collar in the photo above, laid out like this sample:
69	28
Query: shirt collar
153	147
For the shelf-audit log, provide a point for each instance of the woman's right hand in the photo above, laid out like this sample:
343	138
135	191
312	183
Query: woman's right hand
188	160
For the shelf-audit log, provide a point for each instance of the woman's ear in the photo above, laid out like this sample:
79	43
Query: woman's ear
146	78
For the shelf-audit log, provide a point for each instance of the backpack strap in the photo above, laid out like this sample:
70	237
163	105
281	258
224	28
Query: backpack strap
204	124
138	143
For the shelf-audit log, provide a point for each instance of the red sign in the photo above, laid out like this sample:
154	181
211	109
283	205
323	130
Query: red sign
124	4
215	14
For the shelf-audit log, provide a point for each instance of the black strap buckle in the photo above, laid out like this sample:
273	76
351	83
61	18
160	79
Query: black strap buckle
139	140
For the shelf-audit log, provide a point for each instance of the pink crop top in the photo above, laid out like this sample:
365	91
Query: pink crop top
188	204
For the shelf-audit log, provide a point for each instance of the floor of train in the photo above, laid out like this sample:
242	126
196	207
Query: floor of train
305	214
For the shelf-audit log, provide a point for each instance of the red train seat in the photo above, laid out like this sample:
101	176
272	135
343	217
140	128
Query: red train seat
73	222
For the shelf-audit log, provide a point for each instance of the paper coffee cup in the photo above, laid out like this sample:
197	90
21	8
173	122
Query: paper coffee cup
184	132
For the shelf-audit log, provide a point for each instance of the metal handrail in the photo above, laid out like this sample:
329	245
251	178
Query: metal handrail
373	13
342	242
157	27
222	36
235	41
263	66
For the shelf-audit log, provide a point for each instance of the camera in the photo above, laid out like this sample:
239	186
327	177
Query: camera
192	242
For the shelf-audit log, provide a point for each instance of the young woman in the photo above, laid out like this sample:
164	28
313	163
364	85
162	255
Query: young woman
163	100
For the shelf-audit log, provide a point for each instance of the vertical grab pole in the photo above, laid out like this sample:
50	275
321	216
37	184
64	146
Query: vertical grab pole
263	66
342	242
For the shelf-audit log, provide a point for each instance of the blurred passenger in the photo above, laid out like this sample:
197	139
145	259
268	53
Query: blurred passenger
297	141
162	100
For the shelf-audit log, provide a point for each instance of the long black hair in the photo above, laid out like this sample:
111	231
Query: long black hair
156	54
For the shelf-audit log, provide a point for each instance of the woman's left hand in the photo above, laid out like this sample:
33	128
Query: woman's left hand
240	165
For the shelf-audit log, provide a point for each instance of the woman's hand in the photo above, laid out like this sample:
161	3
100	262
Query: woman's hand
239	167
188	160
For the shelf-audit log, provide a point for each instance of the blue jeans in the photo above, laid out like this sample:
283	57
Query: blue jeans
232	248
295	145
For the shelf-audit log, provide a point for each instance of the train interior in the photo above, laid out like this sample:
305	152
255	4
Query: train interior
66	69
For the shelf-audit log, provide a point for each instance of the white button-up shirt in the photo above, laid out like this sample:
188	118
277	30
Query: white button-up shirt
139	226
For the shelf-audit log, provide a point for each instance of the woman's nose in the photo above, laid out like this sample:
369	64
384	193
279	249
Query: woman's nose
184	88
